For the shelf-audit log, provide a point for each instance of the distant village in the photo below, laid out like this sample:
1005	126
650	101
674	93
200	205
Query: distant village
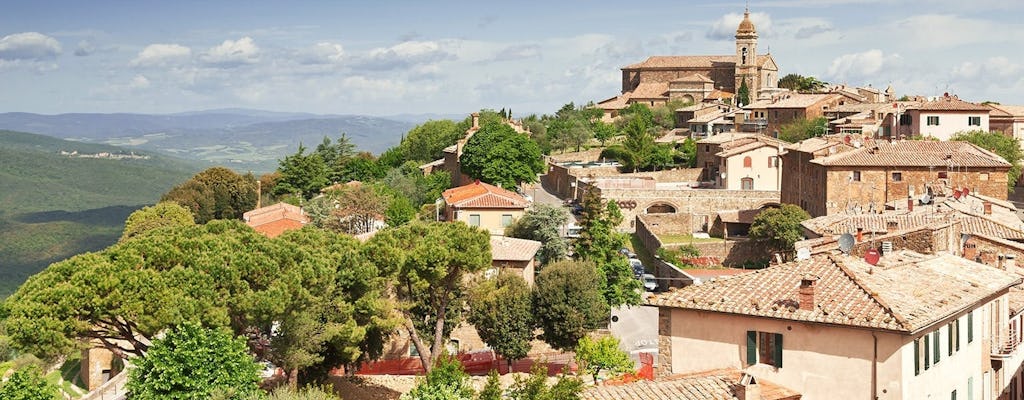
902	283
104	154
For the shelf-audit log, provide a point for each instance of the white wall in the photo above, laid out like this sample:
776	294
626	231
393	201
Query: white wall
765	177
950	122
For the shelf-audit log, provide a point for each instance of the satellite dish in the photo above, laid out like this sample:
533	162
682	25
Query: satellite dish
803	254
926	199
846	242
871	256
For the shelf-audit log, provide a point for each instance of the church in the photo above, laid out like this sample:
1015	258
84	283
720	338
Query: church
695	79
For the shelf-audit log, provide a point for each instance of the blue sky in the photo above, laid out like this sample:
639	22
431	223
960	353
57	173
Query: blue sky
393	57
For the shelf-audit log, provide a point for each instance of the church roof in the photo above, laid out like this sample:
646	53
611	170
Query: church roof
698	77
746	26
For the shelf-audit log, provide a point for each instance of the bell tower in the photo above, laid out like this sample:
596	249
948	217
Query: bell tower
746	56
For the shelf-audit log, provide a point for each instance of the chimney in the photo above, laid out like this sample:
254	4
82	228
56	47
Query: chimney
476	120
748	388
988	207
860	235
807	284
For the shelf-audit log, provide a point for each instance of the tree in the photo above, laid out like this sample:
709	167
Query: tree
427	262
363	167
445	381
215	193
779	227
639	143
603	132
801	83
335	155
162	215
426	142
541	223
604	354
599	242
498	155
193	362
501	311
535	386
743	94
303	174
357	209
1006	147
28	384
492	388
689	150
568	302
803	129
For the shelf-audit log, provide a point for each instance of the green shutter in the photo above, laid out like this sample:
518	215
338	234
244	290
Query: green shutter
937	345
970	327
751	347
778	350
927	360
958	334
949	338
917	357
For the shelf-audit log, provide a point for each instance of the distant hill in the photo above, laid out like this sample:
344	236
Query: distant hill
60	198
243	139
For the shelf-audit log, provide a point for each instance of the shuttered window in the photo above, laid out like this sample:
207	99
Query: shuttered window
970	327
764	348
936	345
917	356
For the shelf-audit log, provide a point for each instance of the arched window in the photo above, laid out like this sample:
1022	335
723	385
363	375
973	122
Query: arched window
747	183
744	60
661	208
747	162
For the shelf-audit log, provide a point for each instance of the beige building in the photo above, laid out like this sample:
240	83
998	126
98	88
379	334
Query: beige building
515	255
942	118
836	327
1007	119
695	79
483	205
741	161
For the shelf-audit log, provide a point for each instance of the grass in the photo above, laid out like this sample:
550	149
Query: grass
676	238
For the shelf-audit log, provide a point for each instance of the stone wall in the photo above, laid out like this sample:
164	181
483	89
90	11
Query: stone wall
663	367
877	186
733	253
701	204
560	179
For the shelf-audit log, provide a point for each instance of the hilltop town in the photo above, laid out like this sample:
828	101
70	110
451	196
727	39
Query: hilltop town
718	229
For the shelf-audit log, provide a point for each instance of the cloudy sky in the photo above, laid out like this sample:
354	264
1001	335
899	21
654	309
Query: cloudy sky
397	56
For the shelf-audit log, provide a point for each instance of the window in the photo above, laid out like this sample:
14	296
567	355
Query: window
970	388
918	356
474	219
773	162
943	175
924	349
413	352
506	219
856	176
953	341
933	120
983	176
764	348
747	184
973	121
970	327
936	345
952	395
747	162
906	120
897	177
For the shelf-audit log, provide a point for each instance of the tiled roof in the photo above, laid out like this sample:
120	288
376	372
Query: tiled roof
950	103
482	195
718	94
669	62
905	292
275	219
740	148
798	100
706	274
812	145
511	249
709	385
614	103
725	137
1006	110
649	90
926	153
698	77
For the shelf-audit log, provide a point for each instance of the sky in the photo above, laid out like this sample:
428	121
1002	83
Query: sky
393	57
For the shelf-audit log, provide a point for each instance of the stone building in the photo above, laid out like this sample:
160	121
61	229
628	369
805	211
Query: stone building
769	115
827	176
942	118
659	79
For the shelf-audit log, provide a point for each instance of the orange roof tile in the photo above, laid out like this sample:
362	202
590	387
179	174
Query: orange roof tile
671	62
906	292
950	103
275	219
927	153
708	385
512	249
482	195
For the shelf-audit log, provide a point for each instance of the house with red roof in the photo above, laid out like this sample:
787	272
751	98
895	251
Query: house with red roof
943	117
274	220
483	205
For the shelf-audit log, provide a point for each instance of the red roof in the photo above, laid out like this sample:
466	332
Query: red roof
482	195
276	219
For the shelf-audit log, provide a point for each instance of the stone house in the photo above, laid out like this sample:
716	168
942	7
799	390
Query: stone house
275	219
741	161
451	160
942	118
1007	119
825	177
836	327
771	114
483	205
515	255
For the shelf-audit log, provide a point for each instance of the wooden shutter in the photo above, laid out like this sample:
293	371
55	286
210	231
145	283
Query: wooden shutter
949	338
751	347
957	334
778	350
927	359
970	327
917	356
936	345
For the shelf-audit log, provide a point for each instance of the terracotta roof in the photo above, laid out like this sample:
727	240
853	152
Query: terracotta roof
275	219
710	385
950	103
673	62
512	249
698	77
760	142
719	94
906	292
725	137
794	100
614	103
706	274
649	90
926	153
1006	110
746	26
482	195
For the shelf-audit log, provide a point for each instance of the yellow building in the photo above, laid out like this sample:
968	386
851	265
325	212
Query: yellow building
483	205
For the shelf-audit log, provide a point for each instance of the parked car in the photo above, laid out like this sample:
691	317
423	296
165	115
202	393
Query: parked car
649	282
638	268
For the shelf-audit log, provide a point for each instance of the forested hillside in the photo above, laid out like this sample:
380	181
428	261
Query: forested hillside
53	206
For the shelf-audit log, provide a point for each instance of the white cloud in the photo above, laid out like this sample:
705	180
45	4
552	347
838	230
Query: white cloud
232	53
139	82
322	53
725	27
404	55
855	66
162	55
29	46
993	67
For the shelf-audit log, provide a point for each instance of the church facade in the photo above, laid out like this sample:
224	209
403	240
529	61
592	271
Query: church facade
660	79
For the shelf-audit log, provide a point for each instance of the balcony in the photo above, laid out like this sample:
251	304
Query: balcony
1005	343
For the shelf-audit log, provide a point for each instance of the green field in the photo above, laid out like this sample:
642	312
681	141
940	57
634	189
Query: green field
54	206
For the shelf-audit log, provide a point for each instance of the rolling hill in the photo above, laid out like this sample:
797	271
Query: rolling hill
61	198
